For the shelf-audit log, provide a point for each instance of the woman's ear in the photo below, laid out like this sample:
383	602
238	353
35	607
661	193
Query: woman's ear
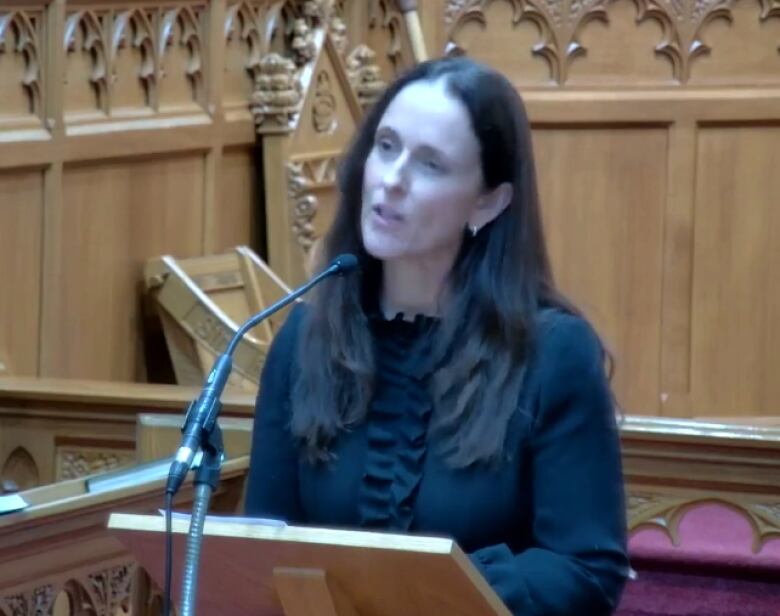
490	206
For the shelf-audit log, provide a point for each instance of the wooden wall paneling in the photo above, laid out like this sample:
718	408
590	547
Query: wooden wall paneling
21	219
677	312
118	214
54	429
604	226
735	335
236	218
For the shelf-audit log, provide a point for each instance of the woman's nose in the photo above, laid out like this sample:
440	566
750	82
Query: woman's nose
395	174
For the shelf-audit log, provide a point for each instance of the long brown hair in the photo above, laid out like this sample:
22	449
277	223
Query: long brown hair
500	280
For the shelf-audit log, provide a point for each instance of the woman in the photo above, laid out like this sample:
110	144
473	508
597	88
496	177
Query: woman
448	388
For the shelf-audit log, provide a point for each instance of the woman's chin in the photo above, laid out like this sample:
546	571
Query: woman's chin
384	251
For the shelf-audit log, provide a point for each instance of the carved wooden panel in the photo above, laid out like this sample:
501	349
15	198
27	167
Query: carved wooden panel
21	56
604	225
125	60
647	508
603	40
21	219
735	343
74	461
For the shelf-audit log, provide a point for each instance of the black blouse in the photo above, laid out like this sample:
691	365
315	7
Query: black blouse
546	528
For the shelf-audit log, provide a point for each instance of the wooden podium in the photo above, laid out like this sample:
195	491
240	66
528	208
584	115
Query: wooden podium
249	569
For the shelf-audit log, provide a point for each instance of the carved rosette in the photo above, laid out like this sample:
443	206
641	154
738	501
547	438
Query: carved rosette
364	75
20	33
278	94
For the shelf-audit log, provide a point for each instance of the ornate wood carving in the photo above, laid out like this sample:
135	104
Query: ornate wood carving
278	94
20	33
561	23
385	15
132	28
304	207
37	601
303	42
111	587
304	177
80	462
103	33
103	591
324	108
683	23
91	26
188	18
666	511
364	75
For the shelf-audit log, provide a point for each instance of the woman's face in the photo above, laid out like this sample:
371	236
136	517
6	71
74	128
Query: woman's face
422	179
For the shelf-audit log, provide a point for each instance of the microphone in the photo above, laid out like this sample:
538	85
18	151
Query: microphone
201	415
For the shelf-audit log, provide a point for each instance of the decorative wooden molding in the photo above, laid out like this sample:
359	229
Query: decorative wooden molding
304	207
666	511
683	23
25	28
132	28
189	19
364	75
561	24
278	94
91	23
74	462
304	177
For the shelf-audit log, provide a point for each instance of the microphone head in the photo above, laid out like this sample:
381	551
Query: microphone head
343	264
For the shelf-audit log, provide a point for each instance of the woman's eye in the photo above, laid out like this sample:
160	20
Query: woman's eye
433	164
385	145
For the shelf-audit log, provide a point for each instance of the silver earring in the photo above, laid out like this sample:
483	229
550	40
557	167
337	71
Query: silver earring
473	229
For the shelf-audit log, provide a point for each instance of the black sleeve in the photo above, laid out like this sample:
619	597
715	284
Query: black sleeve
272	484
578	560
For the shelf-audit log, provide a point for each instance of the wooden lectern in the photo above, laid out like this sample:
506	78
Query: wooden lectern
249	569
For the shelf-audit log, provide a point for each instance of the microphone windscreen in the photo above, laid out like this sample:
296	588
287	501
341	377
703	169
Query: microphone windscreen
345	263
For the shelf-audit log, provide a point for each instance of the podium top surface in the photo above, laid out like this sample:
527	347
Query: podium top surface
382	573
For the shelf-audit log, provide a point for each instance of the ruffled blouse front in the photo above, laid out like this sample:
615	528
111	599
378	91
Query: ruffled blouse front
397	422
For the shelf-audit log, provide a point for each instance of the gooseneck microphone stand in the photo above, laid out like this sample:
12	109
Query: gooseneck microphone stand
202	432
